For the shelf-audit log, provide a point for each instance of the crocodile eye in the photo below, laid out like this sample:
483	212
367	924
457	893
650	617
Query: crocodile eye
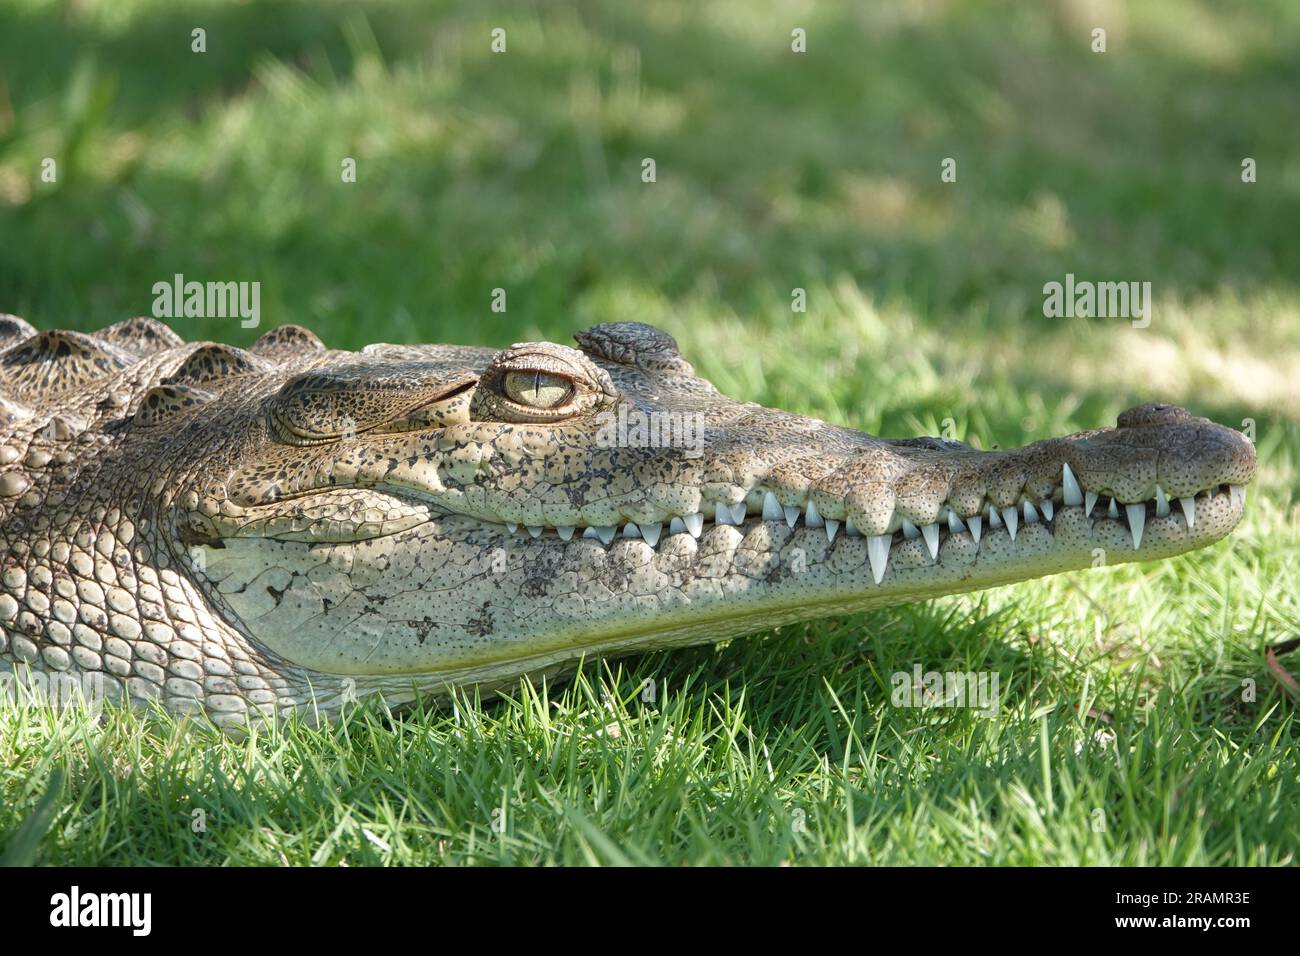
536	388
537	383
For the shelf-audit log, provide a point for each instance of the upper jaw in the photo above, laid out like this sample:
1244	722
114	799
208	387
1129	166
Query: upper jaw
1159	455
1159	461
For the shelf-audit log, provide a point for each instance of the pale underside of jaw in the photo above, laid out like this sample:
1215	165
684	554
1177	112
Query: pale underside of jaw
1132	516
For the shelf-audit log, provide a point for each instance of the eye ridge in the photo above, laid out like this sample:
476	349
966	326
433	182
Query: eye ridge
303	425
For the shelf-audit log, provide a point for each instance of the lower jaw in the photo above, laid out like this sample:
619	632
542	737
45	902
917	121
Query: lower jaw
760	549
766	590
782	576
550	603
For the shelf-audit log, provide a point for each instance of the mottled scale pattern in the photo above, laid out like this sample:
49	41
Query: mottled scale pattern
241	533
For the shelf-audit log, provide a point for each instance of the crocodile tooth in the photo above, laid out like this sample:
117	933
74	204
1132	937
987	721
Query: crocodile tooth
1162	503
590	532
1189	511
931	534
976	527
955	524
694	523
1047	508
909	530
851	529
1238	495
878	554
1089	502
722	514
791	515
1071	496
771	507
831	527
630	530
1010	518
738	513
535	530
995	517
511	527
813	518
565	531
651	532
676	526
1031	513
1137	519
606	534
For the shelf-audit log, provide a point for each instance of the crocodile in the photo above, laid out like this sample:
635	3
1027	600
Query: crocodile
242	534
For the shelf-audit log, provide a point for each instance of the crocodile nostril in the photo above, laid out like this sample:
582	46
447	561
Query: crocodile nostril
1156	413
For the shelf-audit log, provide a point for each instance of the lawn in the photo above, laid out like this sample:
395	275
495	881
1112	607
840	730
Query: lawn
1138	720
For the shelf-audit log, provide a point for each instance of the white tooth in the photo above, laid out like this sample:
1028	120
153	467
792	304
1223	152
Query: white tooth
813	518
1047	508
651	532
1162	503
565	531
1238	495
738	513
851	529
791	515
1071	496
606	534
1113	510
909	530
535	530
995	517
955	525
976	527
511	527
1010	518
630	530
722	514
1189	511
1089	501
590	532
771	507
931	534
676	526
1031	513
831	527
694	523
1137	519
878	554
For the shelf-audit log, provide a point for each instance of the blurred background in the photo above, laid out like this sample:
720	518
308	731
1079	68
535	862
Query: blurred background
775	170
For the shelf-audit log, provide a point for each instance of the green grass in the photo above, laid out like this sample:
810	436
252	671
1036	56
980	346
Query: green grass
1126	732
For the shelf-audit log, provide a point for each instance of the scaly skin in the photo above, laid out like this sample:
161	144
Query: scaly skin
241	533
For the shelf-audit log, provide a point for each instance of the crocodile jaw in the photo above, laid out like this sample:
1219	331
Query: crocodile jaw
454	600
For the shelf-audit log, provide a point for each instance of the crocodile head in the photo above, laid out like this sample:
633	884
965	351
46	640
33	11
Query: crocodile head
406	519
